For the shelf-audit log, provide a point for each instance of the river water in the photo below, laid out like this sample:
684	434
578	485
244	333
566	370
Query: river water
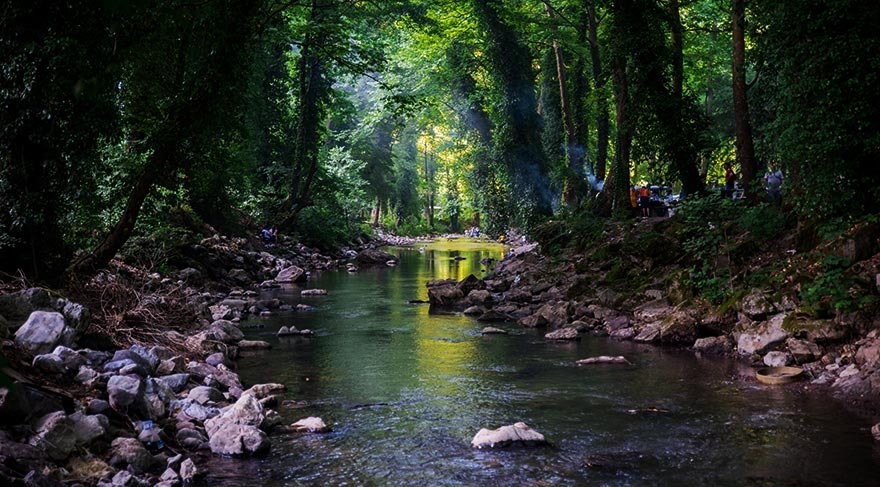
405	391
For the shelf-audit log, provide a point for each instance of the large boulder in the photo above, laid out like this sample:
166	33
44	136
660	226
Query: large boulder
130	451
238	440
43	331
760	338
815	330
225	331
518	433
54	433
719	345
291	274
803	351
374	257
445	294
17	306
124	390
757	305
563	334
89	427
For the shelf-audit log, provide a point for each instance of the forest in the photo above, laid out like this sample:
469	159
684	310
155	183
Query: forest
129	119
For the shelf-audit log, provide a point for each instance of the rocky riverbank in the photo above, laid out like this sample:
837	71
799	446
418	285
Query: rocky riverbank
123	382
582	293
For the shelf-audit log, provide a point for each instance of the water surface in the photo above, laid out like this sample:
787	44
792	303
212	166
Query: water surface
405	391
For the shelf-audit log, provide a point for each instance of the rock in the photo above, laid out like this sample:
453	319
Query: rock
254	345
444	293
188	471
649	333
604	359
492	316
201	371
124	390
42	332
720	345
875	431
313	292
97	406
247	410
169	475
287	331
761	337
221	312
124	478
518	433
191	439
17	306
291	274
493	331
652	311
89	427
86	375
238	439
225	331
815	330
218	358
305	308
123	358
151	359
757	305
474	311
310	425
777	359
54	433
176	382
616	323
205	394
803	351
171	366
556	314
262	391
563	334
130	451
479	296
374	257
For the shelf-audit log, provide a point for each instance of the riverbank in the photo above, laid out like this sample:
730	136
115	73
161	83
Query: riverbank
124	380
627	290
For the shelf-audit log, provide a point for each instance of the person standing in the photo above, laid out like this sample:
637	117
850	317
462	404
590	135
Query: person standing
645	201
773	179
729	180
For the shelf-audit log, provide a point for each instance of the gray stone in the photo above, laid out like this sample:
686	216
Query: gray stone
719	345
130	451
238	439
474	311
124	390
254	345
563	334
218	358
803	351
97	406
313	292
262	391
291	274
42	332
204	394
311	424
85	375
49	363
489	330
518	433
225	331
54	433
176	382
17	306
75	315
152	360
190	438
89	427
171	366
777	359
763	336
188	471
123	358
246	411
757	305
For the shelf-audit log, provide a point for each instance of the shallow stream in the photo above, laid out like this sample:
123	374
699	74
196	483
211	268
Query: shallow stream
405	391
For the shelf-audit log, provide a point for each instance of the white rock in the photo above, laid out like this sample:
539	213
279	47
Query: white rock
519	433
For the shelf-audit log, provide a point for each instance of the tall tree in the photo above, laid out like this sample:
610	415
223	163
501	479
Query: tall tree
745	148
600	78
517	133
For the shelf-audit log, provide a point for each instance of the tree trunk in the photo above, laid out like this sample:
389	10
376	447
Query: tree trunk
620	202
677	51
574	158
603	126
375	213
745	149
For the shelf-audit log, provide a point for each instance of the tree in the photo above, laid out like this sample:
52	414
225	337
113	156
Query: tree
745	149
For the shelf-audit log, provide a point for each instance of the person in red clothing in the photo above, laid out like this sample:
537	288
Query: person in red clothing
645	201
729	179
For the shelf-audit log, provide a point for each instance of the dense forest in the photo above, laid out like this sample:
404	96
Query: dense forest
129	119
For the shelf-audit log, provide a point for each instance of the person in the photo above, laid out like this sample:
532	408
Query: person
729	180
633	198
269	235
773	179
645	201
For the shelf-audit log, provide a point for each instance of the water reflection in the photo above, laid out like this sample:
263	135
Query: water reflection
405	392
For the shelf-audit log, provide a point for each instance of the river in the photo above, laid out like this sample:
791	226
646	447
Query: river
405	391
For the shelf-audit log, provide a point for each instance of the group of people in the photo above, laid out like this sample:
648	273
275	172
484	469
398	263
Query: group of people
473	232
773	180
640	200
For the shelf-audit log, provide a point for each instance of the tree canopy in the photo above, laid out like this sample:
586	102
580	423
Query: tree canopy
120	118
